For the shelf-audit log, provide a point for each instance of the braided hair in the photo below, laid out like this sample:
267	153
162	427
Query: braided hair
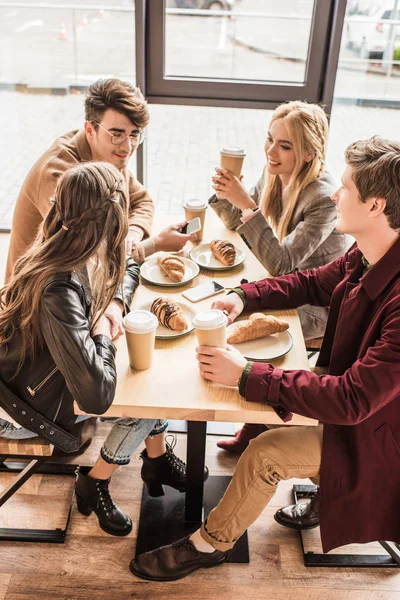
89	213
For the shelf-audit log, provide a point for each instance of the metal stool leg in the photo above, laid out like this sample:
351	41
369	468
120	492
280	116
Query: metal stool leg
56	535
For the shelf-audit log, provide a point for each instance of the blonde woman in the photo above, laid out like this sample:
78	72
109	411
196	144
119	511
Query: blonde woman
56	343
288	219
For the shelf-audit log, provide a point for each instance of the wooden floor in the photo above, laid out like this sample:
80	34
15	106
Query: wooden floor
93	565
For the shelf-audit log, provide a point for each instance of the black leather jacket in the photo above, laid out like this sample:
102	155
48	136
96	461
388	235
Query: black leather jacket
71	366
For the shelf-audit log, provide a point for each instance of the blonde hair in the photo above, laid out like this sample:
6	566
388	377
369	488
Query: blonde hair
89	212
307	126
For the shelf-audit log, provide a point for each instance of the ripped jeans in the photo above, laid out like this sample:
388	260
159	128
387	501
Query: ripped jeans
124	438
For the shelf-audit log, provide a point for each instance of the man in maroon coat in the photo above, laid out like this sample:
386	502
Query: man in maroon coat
355	452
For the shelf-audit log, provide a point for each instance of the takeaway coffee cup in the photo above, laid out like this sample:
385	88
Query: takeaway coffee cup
232	158
196	208
140	331
210	327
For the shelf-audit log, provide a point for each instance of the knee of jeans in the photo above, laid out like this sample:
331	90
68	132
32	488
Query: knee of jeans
129	423
159	427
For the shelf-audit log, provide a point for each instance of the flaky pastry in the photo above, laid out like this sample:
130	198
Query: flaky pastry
257	326
224	251
169	314
172	266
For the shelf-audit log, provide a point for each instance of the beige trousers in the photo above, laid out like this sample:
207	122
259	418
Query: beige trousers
280	453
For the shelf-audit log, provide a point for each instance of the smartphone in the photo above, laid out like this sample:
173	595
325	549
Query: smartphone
203	291
191	226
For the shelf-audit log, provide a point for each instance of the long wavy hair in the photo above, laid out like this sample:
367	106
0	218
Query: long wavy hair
307	126
88	220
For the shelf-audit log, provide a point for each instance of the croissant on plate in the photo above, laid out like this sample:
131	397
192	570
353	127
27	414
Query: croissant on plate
224	251
169	314
257	326
172	266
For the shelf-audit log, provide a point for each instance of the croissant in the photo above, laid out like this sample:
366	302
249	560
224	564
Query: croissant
223	251
169	314
257	326
172	266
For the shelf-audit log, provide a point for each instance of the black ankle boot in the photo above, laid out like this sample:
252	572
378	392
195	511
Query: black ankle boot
166	469
93	495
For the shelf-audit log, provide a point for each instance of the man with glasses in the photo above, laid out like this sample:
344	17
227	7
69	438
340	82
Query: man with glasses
116	115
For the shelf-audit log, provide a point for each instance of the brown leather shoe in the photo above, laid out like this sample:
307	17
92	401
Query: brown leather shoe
174	561
303	515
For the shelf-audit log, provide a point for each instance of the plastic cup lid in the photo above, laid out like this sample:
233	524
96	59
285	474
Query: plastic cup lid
233	151
140	321
195	204
210	319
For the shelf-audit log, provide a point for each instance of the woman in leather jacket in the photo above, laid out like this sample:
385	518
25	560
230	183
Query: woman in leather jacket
55	342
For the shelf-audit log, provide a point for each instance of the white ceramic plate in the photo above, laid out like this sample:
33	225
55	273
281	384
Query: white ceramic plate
151	272
203	256
163	333
266	348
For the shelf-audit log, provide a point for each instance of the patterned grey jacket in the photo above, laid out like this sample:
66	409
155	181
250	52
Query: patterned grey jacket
312	240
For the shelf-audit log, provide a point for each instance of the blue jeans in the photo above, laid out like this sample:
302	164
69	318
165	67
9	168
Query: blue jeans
122	441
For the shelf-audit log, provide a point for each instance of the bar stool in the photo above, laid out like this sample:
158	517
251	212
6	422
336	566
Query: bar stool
26	457
313	559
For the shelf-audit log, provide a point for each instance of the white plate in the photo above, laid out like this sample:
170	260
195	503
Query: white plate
266	348
163	333
151	272
203	256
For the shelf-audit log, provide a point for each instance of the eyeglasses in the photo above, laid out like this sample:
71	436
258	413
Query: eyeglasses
136	138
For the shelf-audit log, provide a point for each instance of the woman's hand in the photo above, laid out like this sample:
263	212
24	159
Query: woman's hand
227	186
231	304
222	366
171	240
103	327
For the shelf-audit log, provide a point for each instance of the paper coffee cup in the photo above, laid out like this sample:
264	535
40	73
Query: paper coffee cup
140	332
210	328
232	159
196	208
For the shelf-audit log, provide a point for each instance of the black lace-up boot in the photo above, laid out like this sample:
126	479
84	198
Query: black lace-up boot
166	469
94	495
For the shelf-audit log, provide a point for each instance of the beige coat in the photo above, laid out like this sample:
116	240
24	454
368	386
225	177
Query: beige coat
33	202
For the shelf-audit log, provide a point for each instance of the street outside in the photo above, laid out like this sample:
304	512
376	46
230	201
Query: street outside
60	47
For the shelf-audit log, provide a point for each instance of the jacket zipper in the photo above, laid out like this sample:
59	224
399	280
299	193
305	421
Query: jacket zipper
33	391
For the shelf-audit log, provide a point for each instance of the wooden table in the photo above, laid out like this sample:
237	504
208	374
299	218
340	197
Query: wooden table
173	388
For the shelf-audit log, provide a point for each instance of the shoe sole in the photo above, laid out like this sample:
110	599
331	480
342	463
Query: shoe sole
117	533
143	576
297	527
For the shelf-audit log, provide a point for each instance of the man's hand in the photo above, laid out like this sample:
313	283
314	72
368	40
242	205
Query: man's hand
131	240
232	304
222	366
228	187
114	313
170	240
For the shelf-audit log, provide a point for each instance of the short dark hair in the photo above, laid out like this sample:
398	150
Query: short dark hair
375	165
117	95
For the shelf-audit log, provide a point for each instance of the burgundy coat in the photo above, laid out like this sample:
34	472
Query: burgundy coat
358	401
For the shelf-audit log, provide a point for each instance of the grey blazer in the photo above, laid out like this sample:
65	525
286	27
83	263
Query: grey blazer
312	240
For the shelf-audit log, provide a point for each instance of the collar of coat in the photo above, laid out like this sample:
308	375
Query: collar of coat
379	275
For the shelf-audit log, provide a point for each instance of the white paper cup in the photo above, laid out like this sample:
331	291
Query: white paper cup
140	332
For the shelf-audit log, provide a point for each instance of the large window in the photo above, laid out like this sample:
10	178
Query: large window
49	53
237	53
